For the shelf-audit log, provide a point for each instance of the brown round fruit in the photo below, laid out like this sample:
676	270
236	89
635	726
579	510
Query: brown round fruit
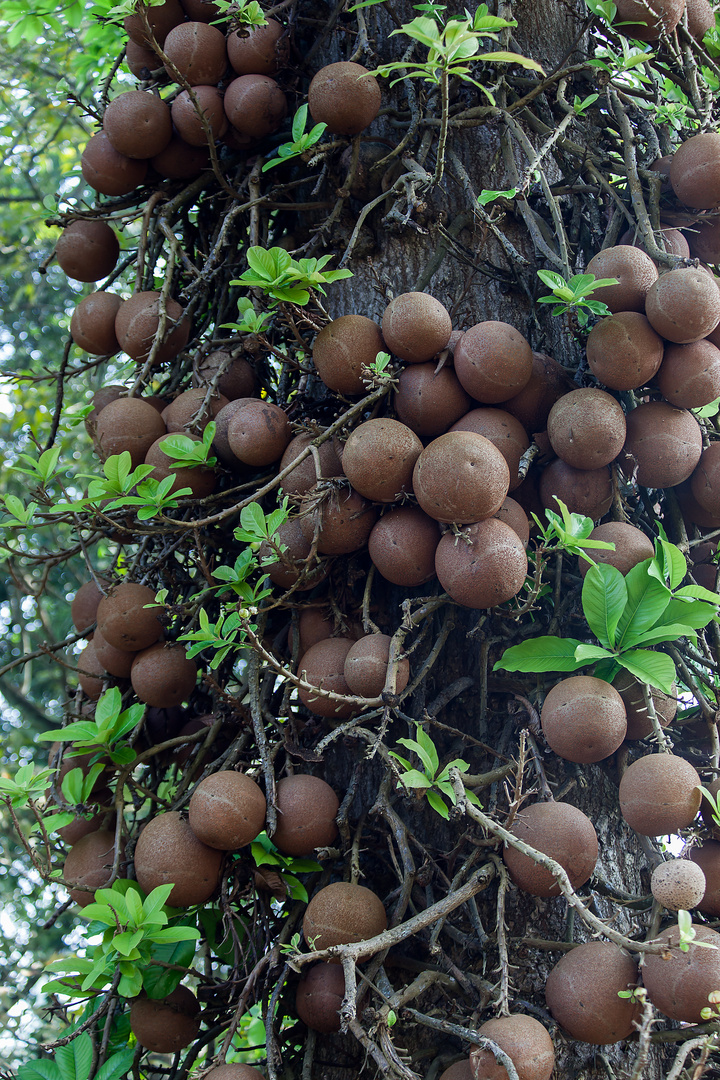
259	433
165	1025
695	171
402	546
161	19
141	60
659	794
705	481
83	609
91	673
323	666
623	351
186	412
631	547
503	431
428	402
648	20
125	620
556	829
526	1042
664	443
92	325
197	50
304	476
162	675
307	808
584	491
87	250
292	569
379	457
227	810
586	428
187	116
117	662
679	985
108	171
512	513
138	124
319	997
261	51
635	272
582	993
416	327
342	913
484	566
684	305
548	382
689	375
343	348
461	477
366	667
138	321
345	96
168	851
638	721
181	161
493	362
127	423
236	1070
345	523
583	719
89	863
255	105
237	379
679	884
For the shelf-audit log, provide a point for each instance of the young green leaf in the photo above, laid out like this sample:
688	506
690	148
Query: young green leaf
604	596
541	654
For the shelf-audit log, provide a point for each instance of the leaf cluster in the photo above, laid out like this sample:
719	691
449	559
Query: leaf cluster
431	779
283	278
105	732
573	295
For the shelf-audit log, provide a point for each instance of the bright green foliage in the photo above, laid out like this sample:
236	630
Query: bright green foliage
283	278
688	933
302	140
573	295
132	928
74	1062
187	452
222	636
105	731
252	322
628	615
265	853
568	532
453	48
433	780
28	783
486	197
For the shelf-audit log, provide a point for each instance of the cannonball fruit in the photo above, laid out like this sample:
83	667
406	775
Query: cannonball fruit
707	859
379	457
659	794
125	618
138	124
89	863
343	349
678	985
416	327
429	401
678	884
186	412
689	375
258	433
323	666
197	50
503	431
582	993
83	609
261	51
168	851
319	997
635	272
663	443
647	20
623	350
484	566
255	105
586	428
307	807
168	1024
493	362
583	719
584	491
227	810
345	522
345	96
107	170
526	1042
402	546
631	547
188	115
705	480
161	19
683	305
556	829
304	476
461	477
695	171
236	1070
162	675
548	381
87	250
366	666
342	913
138	321
127	423
93	323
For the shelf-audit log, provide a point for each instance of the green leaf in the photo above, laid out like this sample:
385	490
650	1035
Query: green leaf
647	600
587	653
604	596
438	804
158	981
171	934
39	1069
663	632
654	668
415	779
698	592
108	707
252	519
299	122
427	752
693	613
675	564
540	654
116	1066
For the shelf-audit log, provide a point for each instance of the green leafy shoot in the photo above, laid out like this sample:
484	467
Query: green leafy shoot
301	140
105	731
132	927
19	515
189	453
688	934
153	497
77	786
486	197
75	1062
568	532
221	637
714	801
580	105
251	322
378	370
709	1013
265	853
433	781
44	469
246	13
573	295
27	783
603	9
453	49
285	279
256	526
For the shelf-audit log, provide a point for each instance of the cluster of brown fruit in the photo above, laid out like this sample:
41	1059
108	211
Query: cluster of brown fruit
651	20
